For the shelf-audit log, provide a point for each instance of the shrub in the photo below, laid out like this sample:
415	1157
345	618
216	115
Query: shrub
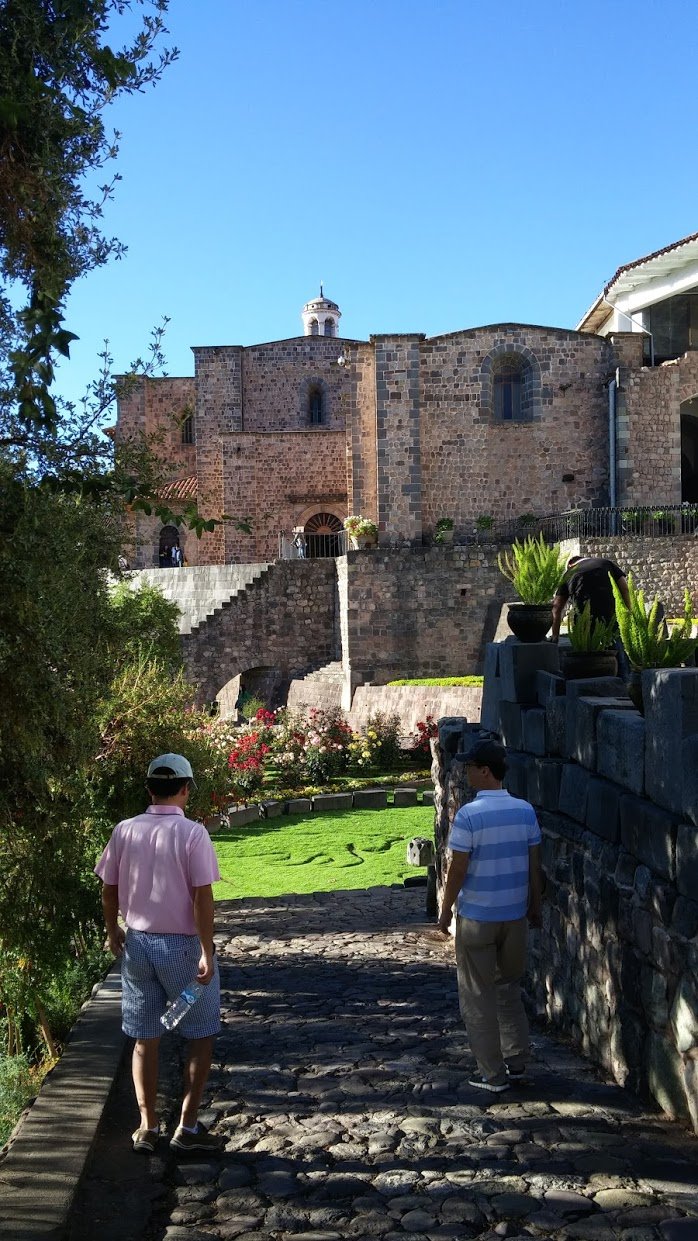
357	525
426	729
643	631
378	746
19	1081
246	763
587	635
534	568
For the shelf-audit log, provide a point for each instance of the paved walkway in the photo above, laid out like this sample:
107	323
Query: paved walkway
342	1088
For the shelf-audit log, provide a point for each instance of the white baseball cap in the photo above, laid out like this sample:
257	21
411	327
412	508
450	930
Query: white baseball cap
173	766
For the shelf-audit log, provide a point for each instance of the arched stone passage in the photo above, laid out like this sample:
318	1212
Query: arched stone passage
169	538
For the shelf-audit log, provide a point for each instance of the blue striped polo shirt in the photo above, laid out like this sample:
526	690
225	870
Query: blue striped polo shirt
497	830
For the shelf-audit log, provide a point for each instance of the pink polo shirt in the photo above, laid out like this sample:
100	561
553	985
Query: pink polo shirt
157	859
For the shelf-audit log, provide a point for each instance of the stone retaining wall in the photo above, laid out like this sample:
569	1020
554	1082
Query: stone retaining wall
413	703
616	963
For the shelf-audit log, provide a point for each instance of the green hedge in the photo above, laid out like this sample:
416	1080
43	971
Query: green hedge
439	681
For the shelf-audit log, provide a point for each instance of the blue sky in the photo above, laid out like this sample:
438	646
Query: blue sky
437	166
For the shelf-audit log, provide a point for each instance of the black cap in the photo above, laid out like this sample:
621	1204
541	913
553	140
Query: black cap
485	753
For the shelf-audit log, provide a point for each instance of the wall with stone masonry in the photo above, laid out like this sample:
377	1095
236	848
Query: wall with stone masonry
616	962
418	611
284	620
277	378
650	427
660	566
275	479
473	464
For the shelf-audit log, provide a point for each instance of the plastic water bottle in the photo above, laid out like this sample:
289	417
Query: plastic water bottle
177	1008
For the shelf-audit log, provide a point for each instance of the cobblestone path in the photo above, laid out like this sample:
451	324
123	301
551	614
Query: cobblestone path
341	1085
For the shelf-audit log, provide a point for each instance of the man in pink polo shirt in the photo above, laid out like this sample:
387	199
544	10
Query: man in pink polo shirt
157	870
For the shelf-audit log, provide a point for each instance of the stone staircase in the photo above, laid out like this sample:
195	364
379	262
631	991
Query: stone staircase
321	688
200	590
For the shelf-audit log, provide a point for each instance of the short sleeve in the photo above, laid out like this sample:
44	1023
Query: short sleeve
107	867
203	863
616	572
460	838
534	832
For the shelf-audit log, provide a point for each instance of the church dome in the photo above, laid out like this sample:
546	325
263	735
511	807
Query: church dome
321	316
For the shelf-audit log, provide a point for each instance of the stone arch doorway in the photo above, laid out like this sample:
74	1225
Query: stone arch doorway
265	683
323	536
169	539
689	451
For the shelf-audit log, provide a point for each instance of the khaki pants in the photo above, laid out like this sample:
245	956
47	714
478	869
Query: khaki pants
491	959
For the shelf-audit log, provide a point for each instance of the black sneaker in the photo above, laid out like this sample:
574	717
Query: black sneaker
202	1140
481	1083
517	1075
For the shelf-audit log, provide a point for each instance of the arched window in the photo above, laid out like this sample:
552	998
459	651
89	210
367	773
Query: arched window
329	327
188	429
316	406
314	327
513	388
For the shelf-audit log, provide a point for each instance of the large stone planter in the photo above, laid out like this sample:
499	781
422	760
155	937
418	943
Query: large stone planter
581	664
358	542
529	622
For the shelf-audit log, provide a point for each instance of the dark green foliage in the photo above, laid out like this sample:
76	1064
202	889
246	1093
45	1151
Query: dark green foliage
144	625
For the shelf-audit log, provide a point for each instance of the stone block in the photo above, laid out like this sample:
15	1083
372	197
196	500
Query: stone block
332	801
687	859
511	726
671	716
516	778
405	797
653	991
556	727
366	799
684	1014
596	687
582	717
492	688
549	685
664	1075
544	777
242	816
574	786
620	748
454	736
533	730
270	809
603	809
649	833
684	918
427	797
689	772
518	664
299	805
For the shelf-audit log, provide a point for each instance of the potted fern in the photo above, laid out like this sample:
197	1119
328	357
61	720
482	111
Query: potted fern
590	652
443	531
535	570
648	641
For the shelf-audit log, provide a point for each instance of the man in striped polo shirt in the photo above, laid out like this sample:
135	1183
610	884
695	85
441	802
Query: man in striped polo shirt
495	877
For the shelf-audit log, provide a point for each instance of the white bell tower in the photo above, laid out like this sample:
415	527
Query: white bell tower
321	316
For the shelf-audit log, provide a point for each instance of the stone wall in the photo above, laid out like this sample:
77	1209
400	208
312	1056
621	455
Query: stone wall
413	703
284	621
616	963
413	612
650	427
660	566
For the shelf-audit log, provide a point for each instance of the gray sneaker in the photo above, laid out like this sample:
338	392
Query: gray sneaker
202	1140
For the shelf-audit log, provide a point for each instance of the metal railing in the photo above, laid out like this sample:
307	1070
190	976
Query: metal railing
312	546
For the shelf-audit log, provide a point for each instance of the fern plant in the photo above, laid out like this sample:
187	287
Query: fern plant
587	634
534	568
643	631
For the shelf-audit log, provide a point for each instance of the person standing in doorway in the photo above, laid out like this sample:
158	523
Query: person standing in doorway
495	877
157	869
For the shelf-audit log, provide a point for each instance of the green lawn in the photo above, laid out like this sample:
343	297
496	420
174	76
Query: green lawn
296	853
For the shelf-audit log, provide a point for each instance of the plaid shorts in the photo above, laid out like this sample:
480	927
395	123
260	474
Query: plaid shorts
154	969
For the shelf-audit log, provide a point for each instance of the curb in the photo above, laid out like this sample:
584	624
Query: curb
44	1162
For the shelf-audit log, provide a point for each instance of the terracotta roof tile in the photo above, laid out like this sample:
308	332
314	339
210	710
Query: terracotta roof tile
675	245
180	489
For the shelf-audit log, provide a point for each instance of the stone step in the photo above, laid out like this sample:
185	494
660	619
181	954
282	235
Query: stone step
200	590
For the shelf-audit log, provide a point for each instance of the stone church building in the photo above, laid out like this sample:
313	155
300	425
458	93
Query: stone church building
496	421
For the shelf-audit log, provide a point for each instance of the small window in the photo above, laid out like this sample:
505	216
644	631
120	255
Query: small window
314	327
507	396
188	429
329	327
316	407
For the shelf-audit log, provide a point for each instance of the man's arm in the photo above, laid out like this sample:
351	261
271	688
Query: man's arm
622	584
457	870
558	608
535	886
110	905
203	921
